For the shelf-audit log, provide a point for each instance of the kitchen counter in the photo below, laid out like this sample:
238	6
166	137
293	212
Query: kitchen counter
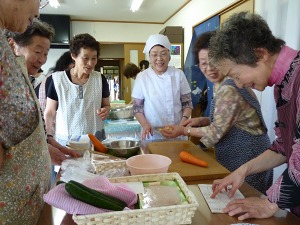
203	216
191	174
53	216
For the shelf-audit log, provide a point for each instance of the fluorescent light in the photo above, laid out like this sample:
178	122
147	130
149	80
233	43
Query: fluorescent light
136	5
54	3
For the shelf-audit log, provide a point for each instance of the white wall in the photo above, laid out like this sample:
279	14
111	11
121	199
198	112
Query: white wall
116	32
53	56
193	13
107	33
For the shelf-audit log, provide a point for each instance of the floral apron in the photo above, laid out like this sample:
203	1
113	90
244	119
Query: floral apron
25	177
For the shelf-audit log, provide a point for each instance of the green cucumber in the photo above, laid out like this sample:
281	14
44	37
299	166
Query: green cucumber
93	197
60	182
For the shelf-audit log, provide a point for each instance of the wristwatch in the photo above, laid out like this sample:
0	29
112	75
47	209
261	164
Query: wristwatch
188	131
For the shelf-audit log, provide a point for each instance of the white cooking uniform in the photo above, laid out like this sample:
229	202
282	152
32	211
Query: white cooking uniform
162	96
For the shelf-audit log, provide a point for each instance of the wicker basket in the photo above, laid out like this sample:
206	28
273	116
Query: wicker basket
167	215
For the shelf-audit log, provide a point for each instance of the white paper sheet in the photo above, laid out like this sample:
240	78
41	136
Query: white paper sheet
217	204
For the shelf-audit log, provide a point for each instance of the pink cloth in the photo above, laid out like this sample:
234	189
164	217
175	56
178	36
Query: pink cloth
60	198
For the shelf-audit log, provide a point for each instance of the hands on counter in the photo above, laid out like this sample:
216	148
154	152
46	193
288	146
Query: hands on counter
251	208
230	183
246	208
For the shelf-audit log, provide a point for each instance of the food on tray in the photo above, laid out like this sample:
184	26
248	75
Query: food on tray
163	193
190	158
93	197
98	146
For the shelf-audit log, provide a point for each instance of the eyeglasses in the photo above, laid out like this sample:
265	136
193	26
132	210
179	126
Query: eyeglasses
44	4
155	55
203	65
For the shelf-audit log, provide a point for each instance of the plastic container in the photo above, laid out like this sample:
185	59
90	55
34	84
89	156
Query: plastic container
148	164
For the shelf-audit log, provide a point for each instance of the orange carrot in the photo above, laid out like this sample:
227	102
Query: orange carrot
189	158
98	146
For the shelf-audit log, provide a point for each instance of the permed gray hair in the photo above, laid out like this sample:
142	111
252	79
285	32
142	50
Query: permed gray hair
238	38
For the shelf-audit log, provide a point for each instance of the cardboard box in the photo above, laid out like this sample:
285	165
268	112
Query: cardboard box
175	38
172	30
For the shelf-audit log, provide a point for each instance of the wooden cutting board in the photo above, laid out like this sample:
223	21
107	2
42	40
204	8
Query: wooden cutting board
188	171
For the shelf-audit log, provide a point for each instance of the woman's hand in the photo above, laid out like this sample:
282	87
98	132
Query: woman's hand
172	131
102	113
57	157
146	131
196	122
230	183
63	149
251	208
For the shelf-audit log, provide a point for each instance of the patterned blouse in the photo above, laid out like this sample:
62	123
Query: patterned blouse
286	77
18	110
240	114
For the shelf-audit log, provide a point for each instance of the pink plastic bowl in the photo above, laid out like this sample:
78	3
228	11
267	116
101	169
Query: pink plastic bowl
148	164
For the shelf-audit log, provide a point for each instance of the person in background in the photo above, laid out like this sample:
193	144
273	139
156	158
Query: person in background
64	62
25	164
260	60
161	94
235	128
79	97
131	70
144	64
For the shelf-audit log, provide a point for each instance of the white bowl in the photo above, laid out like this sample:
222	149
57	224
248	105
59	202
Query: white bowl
148	164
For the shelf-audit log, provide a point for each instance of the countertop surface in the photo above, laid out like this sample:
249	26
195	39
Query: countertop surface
203	215
188	171
192	175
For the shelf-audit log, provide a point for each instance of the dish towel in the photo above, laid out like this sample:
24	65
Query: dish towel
60	198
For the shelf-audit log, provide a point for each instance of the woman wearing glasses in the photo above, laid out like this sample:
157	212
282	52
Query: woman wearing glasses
235	127
161	94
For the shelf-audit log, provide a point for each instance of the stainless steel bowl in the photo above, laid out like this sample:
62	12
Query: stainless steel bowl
123	148
121	113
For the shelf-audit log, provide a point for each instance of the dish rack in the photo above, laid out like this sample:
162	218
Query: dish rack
166	215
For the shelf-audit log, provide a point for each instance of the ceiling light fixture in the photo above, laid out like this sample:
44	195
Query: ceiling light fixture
54	3
136	5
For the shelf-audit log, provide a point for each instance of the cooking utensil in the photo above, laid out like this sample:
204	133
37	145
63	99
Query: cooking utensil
123	148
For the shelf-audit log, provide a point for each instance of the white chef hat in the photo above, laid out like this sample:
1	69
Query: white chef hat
157	39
